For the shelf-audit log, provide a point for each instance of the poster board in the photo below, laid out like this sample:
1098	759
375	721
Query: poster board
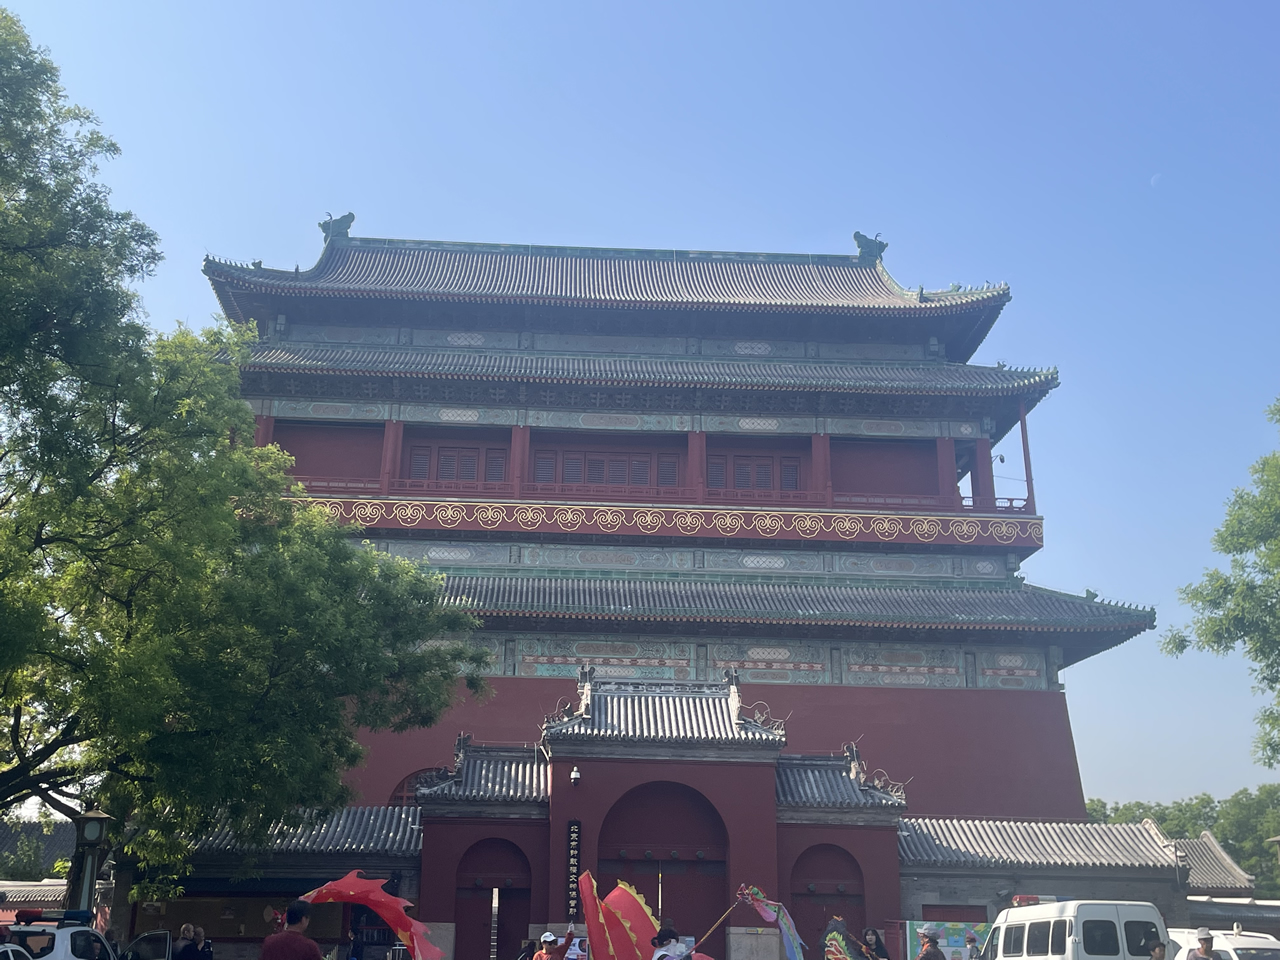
950	937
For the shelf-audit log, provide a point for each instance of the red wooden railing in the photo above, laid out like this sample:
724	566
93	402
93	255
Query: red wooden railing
370	487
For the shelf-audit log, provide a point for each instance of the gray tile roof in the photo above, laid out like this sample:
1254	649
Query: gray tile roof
389	831
1006	843
56	845
825	782
704	714
24	893
1211	867
634	598
526	274
501	774
941	379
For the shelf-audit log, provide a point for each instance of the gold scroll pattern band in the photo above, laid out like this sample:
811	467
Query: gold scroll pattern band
690	522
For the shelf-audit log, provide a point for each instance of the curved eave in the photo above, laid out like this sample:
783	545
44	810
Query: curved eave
1115	634
228	277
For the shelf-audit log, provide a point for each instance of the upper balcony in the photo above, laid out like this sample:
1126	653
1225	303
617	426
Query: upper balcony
395	461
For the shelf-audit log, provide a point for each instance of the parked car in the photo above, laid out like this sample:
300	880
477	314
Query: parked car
1076	930
67	935
1227	944
11	951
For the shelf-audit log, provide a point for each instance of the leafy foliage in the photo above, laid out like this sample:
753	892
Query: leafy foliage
183	643
1240	609
1242	823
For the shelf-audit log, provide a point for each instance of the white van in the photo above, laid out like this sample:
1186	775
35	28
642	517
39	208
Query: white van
1076	930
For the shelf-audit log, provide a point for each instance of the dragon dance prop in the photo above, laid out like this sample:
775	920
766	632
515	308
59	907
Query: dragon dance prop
775	912
369	893
620	926
839	944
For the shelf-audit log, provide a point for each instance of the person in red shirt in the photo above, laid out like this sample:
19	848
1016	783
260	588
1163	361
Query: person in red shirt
551	950
290	943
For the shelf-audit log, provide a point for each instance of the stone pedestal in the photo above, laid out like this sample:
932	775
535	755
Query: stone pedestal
754	943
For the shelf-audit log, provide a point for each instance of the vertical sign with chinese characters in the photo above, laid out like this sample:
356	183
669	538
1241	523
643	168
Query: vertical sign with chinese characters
575	867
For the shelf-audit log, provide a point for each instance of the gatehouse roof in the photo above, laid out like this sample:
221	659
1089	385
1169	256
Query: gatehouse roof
832	783
661	712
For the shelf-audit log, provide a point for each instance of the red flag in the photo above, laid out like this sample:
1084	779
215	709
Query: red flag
369	893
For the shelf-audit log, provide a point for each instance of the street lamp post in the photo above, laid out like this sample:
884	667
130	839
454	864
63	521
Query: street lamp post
91	830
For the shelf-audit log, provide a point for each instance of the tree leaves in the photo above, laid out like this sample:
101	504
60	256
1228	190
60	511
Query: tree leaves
182	642
1240	608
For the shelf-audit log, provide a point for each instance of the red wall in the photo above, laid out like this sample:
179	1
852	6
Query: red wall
884	466
967	753
331	450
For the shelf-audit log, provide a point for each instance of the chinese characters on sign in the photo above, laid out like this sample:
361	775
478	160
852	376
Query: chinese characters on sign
575	851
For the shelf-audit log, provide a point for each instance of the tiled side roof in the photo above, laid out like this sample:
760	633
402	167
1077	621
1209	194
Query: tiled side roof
57	845
1212	868
942	379
402	269
494	774
633	598
46	893
390	831
1005	843
825	782
673	716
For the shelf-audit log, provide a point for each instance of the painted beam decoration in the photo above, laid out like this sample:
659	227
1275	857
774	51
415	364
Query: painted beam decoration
688	521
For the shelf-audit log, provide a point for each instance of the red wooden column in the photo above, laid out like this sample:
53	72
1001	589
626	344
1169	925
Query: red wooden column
981	477
697	463
947	487
1026	458
392	445
263	428
821	465
519	457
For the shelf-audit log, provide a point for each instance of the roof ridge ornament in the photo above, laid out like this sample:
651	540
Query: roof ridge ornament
870	249
333	229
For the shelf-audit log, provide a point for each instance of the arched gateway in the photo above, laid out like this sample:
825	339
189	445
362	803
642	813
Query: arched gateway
670	843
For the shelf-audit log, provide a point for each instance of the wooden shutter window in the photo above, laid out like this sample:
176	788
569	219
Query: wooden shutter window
790	473
617	471
668	471
419	463
742	472
716	471
544	468
595	469
639	471
457	464
764	474
573	472
495	466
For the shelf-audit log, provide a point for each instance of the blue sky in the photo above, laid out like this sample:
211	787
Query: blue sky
1115	163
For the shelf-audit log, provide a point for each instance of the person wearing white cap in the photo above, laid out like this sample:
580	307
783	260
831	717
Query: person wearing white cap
551	948
929	944
1205	950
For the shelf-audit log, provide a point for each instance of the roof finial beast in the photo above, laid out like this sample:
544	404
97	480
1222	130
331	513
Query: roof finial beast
870	249
336	228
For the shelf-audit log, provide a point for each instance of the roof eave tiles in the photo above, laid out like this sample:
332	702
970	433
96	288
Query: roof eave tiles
601	278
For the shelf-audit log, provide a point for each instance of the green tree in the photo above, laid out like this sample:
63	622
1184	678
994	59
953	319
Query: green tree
183	642
1240	608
